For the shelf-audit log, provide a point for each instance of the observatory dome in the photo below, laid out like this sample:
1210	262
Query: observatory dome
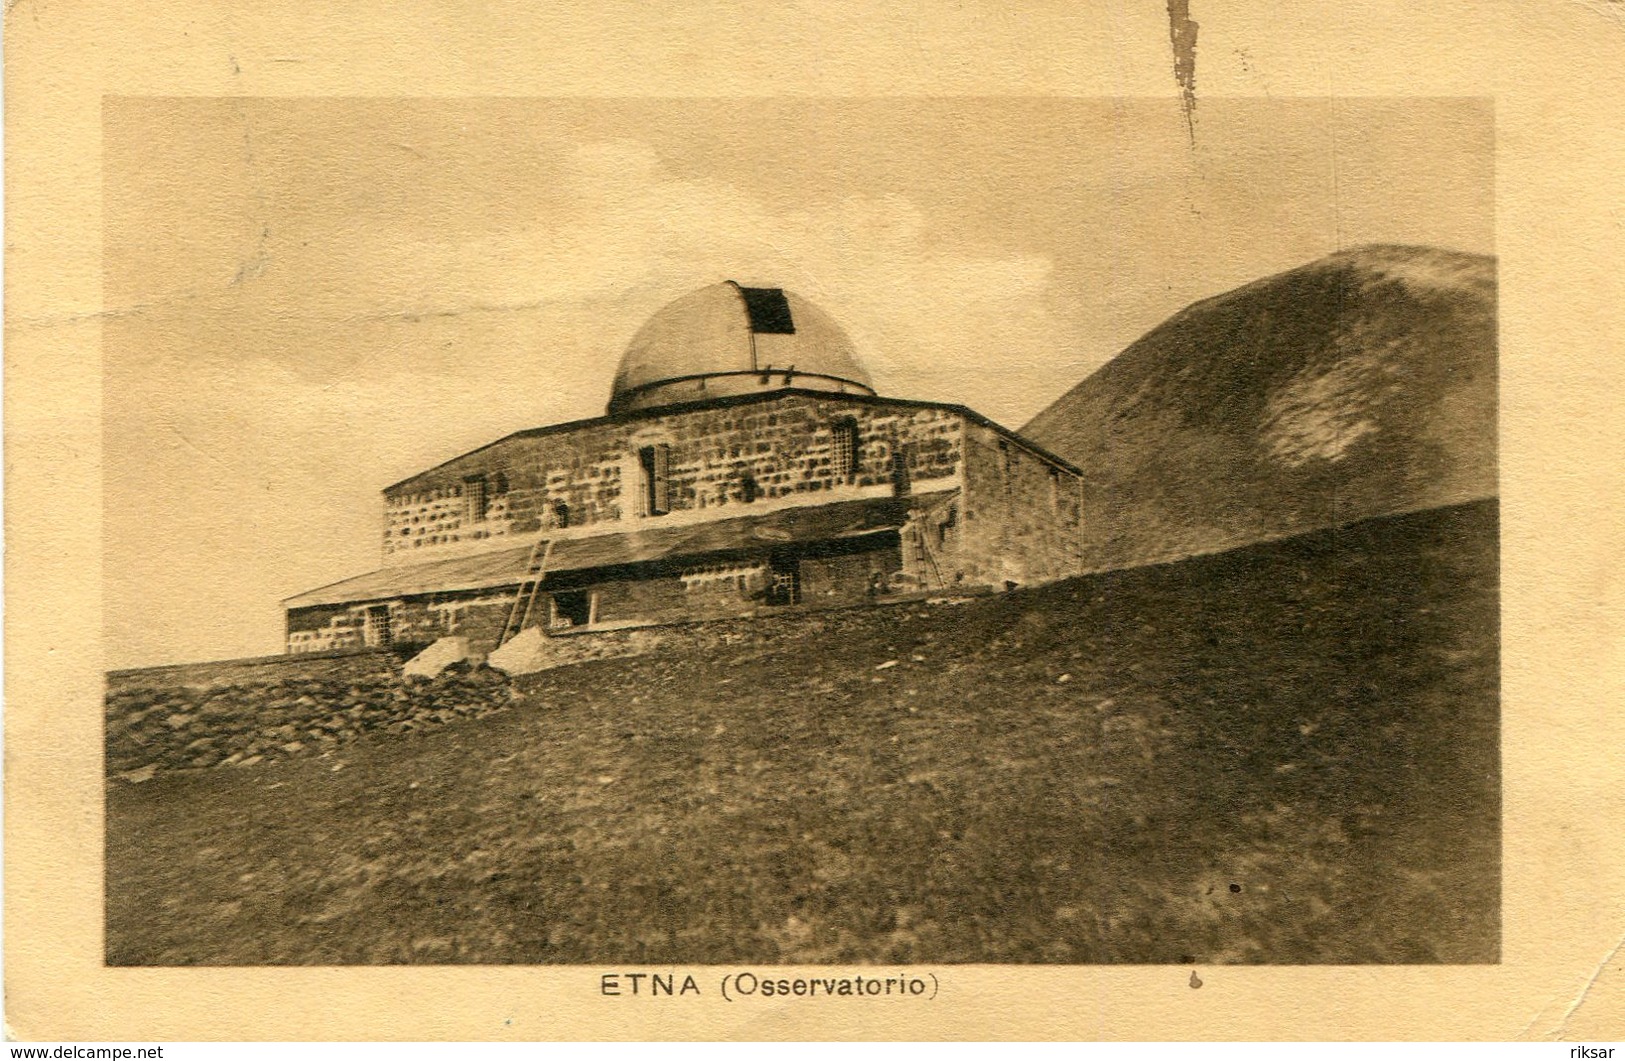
728	339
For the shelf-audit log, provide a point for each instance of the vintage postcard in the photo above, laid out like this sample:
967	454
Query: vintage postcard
856	524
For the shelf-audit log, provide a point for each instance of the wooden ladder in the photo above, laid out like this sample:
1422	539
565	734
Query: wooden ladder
525	599
922	549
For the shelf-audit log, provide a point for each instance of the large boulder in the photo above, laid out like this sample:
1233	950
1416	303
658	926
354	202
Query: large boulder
437	657
524	653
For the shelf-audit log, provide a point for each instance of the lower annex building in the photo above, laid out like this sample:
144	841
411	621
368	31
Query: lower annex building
745	466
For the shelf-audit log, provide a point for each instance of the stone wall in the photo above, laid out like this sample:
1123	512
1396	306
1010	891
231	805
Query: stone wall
720	459
328	628
477	614
852	578
832	574
1022	517
335	666
1014	520
167	719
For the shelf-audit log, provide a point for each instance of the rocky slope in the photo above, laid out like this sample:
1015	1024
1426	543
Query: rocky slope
1359	385
1286	753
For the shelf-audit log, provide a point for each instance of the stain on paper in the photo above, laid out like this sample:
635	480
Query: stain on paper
1182	35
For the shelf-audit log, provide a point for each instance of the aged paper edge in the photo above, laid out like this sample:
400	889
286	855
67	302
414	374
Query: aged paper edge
1552	71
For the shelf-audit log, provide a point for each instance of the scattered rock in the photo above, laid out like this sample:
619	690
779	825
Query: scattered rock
890	663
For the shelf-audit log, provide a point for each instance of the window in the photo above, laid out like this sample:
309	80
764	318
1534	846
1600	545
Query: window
475	501
1055	489
844	449
376	630
655	462
900	483
784	581
574	608
561	514
768	310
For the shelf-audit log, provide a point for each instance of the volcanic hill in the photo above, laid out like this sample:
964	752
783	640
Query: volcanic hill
1359	385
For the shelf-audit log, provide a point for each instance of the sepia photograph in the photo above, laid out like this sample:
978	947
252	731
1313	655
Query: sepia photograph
800	531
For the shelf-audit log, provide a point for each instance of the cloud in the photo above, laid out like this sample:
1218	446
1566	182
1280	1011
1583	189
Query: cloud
931	318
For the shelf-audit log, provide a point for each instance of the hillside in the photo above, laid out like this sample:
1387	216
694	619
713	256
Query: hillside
1359	385
1285	753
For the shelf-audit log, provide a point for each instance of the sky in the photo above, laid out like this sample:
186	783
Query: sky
310	299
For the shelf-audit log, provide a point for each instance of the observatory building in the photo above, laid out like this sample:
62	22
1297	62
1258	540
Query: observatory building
745	465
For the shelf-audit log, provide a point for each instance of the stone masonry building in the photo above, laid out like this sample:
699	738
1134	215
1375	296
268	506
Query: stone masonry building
745	466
